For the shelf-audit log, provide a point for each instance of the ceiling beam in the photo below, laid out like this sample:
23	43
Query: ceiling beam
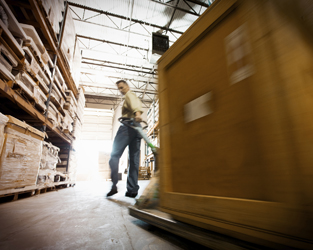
199	3
175	8
108	97
121	64
123	17
93	53
120	68
109	27
106	41
116	75
151	92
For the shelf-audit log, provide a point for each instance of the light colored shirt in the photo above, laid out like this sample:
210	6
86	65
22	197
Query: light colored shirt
131	105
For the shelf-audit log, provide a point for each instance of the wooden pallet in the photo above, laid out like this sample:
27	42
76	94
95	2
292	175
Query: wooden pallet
204	237
15	194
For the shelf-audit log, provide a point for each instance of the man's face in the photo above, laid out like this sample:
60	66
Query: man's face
123	88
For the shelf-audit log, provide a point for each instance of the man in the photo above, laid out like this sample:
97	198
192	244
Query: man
127	136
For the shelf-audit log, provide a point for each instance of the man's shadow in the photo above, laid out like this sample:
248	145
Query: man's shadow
122	203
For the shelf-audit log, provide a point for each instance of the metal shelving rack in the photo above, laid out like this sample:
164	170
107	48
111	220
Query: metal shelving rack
12	102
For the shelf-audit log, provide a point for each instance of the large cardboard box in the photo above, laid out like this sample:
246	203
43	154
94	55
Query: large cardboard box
236	105
20	155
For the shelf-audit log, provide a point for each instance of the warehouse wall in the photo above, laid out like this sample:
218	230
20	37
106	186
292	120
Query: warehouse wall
97	124
95	145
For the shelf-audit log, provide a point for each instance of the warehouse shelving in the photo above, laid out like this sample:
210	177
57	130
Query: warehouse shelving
32	62
32	115
33	14
153	135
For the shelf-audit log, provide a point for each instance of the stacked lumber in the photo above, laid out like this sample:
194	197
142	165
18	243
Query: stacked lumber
72	166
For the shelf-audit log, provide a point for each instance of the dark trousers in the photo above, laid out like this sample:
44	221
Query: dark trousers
126	136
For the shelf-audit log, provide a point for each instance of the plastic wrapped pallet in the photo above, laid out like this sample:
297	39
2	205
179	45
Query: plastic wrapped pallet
72	166
50	156
20	155
3	122
48	162
46	177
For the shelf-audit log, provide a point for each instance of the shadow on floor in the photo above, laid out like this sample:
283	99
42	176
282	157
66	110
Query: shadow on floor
121	202
170	237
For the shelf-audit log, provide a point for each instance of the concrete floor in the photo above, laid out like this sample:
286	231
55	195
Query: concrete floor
81	218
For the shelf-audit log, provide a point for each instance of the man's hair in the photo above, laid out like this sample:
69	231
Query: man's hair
123	81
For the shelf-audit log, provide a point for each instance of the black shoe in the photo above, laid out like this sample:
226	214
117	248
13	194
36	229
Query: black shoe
131	195
112	192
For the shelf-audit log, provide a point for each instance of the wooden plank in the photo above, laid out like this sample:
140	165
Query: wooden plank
17	190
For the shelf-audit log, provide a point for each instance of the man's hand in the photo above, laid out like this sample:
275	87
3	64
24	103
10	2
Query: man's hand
138	117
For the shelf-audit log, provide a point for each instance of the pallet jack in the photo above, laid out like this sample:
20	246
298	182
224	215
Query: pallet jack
155	217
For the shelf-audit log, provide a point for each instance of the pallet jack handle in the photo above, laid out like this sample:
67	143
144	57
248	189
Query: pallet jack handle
130	122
